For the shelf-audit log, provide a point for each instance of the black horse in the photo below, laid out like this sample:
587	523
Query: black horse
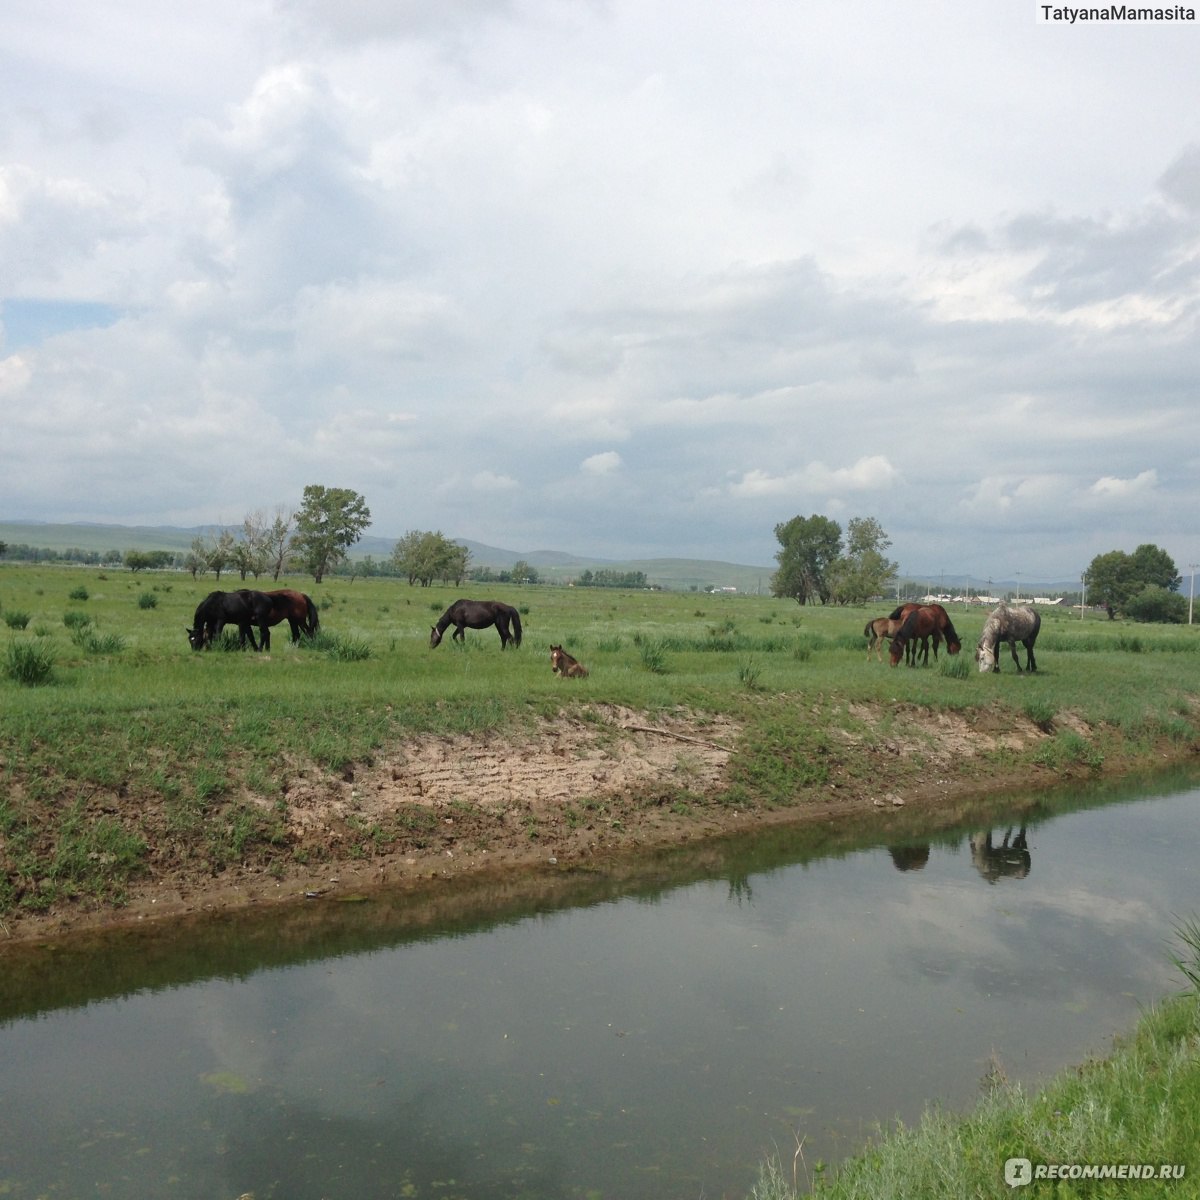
242	608
479	614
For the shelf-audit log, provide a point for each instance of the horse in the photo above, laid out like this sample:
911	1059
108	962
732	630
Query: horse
1011	625
1010	860
243	608
944	625
479	614
920	624
297	609
876	632
564	666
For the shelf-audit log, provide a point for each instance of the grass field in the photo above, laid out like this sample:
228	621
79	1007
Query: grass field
103	704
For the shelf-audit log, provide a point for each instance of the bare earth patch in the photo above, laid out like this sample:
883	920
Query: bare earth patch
586	786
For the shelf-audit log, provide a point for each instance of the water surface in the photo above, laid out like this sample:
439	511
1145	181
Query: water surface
649	1037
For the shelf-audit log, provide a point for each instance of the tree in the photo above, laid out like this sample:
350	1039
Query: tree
329	522
137	560
523	572
277	539
424	556
1113	579
809	546
863	571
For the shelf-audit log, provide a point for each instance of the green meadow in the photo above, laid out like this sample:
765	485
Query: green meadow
104	707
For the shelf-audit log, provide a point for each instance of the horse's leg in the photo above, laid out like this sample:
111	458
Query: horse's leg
1013	647
1032	662
265	631
502	630
458	633
295	629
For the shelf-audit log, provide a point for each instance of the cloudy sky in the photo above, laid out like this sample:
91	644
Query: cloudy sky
618	277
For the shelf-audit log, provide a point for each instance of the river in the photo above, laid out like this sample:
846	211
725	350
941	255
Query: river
653	1037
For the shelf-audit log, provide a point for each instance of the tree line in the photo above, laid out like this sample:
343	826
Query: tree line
821	563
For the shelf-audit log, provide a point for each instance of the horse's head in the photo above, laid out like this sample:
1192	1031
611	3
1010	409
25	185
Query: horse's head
985	656
196	638
953	647
435	637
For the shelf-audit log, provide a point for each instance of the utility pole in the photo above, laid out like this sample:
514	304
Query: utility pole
1192	590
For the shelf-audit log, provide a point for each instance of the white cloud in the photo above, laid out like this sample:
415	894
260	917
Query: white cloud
1110	488
873	473
601	464
404	244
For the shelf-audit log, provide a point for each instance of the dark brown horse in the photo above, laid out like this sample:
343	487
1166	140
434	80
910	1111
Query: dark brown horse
944	625
919	626
297	609
479	614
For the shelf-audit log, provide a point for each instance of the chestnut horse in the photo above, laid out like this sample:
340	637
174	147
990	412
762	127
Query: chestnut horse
919	626
296	609
944	625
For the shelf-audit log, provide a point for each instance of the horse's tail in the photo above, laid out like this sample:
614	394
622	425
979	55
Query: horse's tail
516	620
314	617
869	630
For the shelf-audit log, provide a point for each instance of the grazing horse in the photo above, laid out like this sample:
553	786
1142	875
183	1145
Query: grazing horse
242	608
944	625
296	609
920	625
1011	625
479	614
877	631
564	666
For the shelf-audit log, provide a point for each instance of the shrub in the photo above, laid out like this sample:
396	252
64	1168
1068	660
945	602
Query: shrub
74	619
1159	605
16	619
147	600
29	663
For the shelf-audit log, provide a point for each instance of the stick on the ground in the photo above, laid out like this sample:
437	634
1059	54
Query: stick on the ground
679	737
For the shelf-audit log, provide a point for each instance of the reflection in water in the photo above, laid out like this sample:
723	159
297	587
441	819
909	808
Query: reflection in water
909	858
1009	860
646	1036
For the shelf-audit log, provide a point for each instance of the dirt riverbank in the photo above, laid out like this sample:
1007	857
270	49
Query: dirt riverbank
588	787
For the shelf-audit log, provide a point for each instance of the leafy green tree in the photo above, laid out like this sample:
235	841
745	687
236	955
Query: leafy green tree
522	572
137	560
329	522
423	556
1113	579
809	546
863	570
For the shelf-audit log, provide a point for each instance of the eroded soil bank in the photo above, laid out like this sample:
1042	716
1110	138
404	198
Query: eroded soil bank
586	788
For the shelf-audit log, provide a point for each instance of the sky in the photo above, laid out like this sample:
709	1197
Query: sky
621	278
